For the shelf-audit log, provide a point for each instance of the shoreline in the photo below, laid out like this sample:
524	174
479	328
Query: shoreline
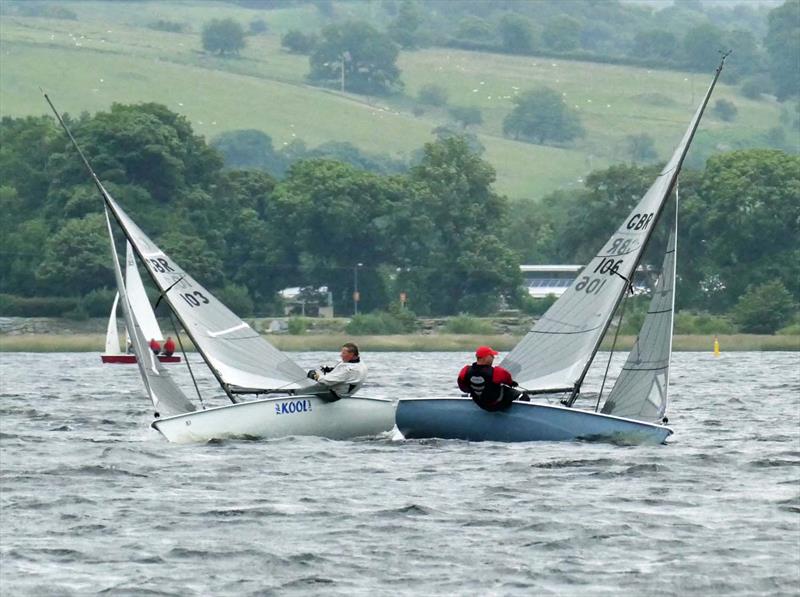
78	342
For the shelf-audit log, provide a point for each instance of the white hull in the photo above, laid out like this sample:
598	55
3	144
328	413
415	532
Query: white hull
282	416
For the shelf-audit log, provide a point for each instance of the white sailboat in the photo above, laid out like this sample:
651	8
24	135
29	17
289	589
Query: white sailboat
555	356
140	305
240	359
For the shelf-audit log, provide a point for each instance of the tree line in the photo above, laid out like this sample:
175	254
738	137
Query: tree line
437	232
686	35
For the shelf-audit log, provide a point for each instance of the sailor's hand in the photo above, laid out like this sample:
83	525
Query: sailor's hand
326	369
311	374
514	384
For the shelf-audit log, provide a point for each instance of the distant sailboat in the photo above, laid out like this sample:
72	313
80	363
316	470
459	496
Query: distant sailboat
140	306
555	356
242	361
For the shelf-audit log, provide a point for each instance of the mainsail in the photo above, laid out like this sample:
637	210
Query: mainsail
166	396
641	389
556	354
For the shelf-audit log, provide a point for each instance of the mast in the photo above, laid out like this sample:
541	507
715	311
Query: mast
111	207
670	187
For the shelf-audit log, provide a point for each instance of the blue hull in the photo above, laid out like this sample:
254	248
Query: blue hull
460	418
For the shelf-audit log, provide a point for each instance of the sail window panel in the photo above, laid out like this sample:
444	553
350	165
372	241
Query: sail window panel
240	356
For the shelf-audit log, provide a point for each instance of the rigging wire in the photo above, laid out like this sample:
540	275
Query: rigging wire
186	359
614	344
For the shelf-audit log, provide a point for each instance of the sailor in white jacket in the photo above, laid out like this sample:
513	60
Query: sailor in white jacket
346	377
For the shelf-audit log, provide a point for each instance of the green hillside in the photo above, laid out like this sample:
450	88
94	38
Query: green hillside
110	55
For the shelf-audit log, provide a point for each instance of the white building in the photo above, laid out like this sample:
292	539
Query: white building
544	280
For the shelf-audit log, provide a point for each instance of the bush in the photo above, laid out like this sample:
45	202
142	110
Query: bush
725	110
687	322
466	324
377	323
765	309
237	299
432	95
536	306
258	27
466	115
753	88
223	36
169	26
298	326
299	42
40	306
97	303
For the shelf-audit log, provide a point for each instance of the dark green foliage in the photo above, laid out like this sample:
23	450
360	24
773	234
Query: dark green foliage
432	95
655	44
403	29
753	87
783	48
223	36
561	33
641	147
764	309
473	29
466	115
515	34
168	26
77	257
740	226
249	148
237	299
725	110
367	56
299	42
47	11
541	115
38	306
258	27
701	47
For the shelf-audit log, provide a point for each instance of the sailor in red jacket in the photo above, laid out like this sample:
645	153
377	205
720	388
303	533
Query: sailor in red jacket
490	387
169	347
155	346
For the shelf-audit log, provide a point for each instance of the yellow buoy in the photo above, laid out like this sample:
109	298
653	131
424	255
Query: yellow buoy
716	347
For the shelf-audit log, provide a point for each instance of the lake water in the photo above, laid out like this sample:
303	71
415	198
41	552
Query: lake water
94	501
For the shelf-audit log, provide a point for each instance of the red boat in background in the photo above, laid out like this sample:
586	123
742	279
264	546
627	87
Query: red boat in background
144	315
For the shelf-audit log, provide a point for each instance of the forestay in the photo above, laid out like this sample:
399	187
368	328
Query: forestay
557	352
137	297
641	389
166	396
236	353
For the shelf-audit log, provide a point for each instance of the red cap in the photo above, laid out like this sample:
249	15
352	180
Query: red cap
485	351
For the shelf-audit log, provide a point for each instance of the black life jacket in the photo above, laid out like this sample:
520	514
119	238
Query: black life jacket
482	389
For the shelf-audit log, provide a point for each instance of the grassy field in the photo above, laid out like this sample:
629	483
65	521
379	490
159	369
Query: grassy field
405	343
110	55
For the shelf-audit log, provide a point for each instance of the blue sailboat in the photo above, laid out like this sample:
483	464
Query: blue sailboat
552	360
